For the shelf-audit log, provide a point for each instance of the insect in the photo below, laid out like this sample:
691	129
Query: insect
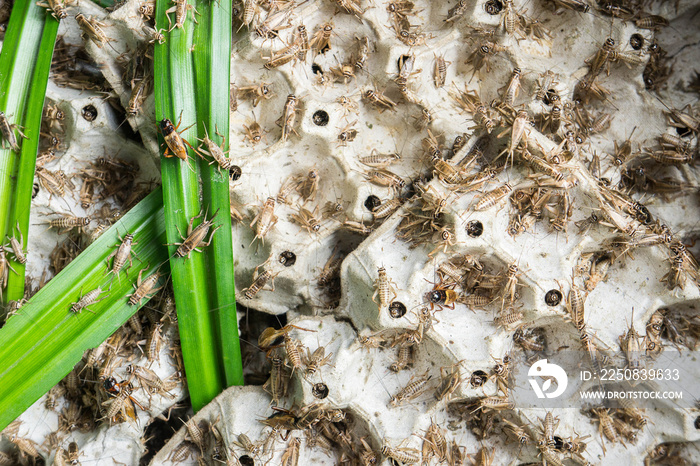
519	132
629	58
378	100
655	325
332	209
139	92
122	254
331	269
358	227
307	220
410	391
576	445
70	457
383	177
631	345
651	22
253	133
351	6
519	432
196	237
549	456
405	64
434	443
8	133
144	287
451	272
290	457
67	222
457	11
675	278
180	9
575	304
348	134
307	185
441	296
316	360
403	360
359	61
287	188
632	413
195	432
602	57
55	115
147	10
386	208
450	379
494	403
44	157
16	247
256	92
606	426
508	316
510	17
26	446
671	141
265	220
547	81
294	349
671	157
548	426
123	405
260	281
576	5
402	455
348	105
423	120
301	37
92	29
86	300
274	22
379	160
152	36
481	56
344	72
491	198
215	151
624	150
321	40
513	88
284	56
149	380
56	7
278	382
175	143
289	116
5	268
384	289
625	430
244	442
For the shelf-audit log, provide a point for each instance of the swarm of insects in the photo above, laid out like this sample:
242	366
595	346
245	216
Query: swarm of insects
451	184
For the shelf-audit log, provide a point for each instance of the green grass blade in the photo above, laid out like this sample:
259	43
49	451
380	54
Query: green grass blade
45	340
212	64
24	67
22	199
203	282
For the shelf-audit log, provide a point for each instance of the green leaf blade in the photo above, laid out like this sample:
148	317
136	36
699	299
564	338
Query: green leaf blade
203	282
45	339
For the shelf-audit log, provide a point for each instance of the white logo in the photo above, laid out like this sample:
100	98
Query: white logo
551	371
